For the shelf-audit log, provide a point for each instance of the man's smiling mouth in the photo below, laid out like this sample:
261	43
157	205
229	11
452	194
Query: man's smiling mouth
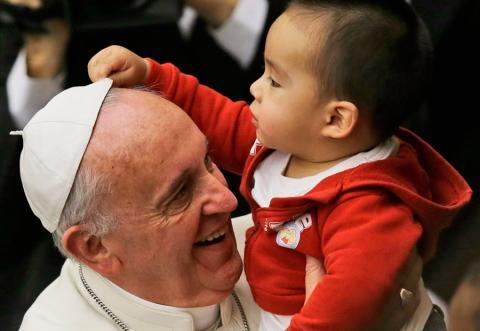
213	238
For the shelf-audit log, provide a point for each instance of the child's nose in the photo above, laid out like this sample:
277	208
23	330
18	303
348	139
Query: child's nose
255	89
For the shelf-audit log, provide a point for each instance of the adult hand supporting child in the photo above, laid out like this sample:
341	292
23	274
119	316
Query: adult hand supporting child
396	312
314	272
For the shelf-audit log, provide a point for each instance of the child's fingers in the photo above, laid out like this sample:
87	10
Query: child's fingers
98	68
122	78
98	72
106	61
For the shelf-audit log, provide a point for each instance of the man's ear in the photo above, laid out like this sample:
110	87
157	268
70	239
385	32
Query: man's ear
90	250
341	117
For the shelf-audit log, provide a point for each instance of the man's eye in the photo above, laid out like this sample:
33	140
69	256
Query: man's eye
181	193
209	163
273	83
179	201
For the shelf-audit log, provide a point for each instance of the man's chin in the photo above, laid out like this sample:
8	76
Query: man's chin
219	265
222	283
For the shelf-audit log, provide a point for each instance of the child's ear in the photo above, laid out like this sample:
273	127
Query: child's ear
90	250
340	119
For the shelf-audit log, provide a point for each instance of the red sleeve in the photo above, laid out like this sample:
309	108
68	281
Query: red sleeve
366	242
227	124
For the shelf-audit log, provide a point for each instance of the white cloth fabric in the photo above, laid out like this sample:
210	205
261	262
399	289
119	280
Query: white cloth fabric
66	304
203	317
238	36
273	322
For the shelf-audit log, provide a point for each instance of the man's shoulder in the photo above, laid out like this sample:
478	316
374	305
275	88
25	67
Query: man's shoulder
61	307
48	309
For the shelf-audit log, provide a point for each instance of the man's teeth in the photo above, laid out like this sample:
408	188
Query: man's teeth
220	232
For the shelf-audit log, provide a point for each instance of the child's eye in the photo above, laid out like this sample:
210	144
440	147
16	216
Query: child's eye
273	83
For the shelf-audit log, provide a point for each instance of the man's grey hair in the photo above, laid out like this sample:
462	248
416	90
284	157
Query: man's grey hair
84	203
84	207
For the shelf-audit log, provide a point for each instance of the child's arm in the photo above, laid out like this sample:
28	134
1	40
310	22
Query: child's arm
366	243
227	124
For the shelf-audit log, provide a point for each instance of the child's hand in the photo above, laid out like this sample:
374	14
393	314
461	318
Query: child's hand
123	66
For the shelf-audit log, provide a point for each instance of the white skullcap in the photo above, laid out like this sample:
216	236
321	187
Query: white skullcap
54	142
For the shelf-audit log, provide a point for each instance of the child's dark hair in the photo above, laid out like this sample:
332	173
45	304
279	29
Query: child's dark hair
376	54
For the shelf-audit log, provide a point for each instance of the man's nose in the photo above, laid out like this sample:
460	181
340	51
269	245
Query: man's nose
219	199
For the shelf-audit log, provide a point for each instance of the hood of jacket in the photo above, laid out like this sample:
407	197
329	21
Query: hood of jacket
418	175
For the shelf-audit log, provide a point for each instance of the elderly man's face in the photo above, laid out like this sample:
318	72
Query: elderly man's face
175	241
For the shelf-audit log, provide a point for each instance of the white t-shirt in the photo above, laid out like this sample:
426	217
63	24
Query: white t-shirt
270	181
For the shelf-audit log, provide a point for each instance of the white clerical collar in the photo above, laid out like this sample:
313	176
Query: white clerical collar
203	317
136	313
